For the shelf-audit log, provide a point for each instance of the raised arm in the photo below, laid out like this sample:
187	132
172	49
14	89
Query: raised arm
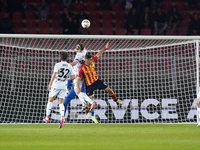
103	50
74	63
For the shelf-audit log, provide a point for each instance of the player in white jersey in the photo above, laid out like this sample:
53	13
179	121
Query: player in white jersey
80	58
57	86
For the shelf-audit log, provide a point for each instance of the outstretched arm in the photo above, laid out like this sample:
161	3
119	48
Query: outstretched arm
74	63
103	50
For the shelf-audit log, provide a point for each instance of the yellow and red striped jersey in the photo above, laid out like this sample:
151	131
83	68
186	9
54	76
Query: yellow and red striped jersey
88	72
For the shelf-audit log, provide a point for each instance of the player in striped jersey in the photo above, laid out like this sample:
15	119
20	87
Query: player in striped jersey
91	80
57	86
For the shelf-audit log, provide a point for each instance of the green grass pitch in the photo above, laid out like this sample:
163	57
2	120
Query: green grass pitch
99	137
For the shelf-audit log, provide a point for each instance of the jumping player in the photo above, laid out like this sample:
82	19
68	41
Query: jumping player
79	58
72	95
87	72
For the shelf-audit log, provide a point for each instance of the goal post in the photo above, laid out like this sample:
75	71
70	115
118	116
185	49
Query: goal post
157	77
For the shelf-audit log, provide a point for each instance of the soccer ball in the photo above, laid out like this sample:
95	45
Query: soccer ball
85	23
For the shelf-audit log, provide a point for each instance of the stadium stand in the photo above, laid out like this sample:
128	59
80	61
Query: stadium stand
113	16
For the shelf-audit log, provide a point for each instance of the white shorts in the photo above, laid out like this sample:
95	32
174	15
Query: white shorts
74	82
60	93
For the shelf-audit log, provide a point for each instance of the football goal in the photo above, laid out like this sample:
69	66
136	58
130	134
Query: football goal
157	77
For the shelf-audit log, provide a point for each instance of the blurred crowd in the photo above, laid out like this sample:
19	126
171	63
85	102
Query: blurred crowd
145	17
149	14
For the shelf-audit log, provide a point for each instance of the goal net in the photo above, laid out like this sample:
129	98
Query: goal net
155	76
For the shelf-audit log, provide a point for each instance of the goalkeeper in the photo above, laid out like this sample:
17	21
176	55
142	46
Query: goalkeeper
71	95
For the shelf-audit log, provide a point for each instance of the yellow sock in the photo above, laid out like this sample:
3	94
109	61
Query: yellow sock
95	120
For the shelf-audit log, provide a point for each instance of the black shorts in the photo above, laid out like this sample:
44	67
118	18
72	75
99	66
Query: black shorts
99	84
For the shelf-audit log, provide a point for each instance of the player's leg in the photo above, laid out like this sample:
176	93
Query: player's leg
51	98
48	109
61	106
83	90
68	98
88	106
112	94
90	90
61	97
79	94
82	96
91	114
93	118
85	97
102	85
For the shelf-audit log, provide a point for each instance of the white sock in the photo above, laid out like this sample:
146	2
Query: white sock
87	98
198	109
81	97
61	110
48	110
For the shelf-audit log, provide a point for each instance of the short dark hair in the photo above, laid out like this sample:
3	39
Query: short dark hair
81	46
64	56
88	56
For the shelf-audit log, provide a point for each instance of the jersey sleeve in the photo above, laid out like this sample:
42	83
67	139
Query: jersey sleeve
94	58
80	73
55	68
78	57
84	52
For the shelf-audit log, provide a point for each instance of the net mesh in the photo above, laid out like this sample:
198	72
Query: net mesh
156	79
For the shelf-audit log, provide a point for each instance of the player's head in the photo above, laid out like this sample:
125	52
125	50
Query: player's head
88	59
63	56
79	47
